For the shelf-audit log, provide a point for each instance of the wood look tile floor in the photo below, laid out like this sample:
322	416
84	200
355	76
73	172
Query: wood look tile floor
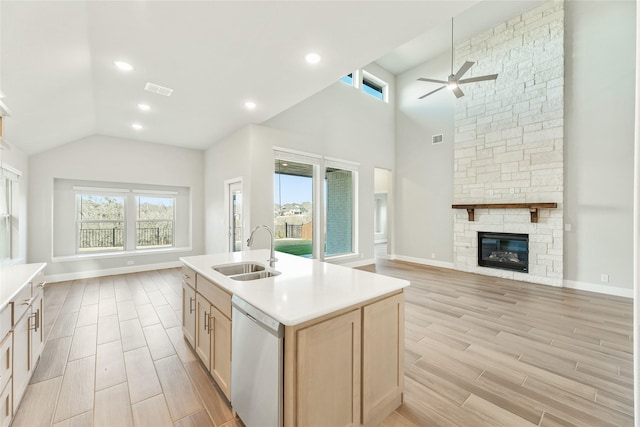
479	351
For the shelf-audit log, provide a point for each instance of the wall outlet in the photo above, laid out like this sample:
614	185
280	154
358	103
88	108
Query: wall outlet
604	278
567	227
433	255
130	262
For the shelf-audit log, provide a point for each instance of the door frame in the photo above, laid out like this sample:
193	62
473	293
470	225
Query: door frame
227	210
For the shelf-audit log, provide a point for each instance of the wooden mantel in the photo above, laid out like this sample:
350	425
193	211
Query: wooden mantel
533	208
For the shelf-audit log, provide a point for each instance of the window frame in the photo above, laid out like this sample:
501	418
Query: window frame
12	177
150	194
320	164
374	83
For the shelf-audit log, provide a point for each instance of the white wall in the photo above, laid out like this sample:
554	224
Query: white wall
599	124
424	172
339	122
100	158
343	122
599	129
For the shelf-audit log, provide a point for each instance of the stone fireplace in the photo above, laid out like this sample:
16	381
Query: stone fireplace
509	143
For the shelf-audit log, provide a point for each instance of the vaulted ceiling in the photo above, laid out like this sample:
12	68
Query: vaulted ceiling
59	80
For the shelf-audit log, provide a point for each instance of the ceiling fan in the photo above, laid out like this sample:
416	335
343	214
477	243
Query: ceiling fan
454	81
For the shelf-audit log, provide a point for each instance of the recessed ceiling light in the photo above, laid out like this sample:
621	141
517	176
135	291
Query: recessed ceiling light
250	105
137	126
123	66
144	107
312	58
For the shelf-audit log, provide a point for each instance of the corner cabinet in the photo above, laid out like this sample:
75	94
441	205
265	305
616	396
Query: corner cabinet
21	330
206	324
351	361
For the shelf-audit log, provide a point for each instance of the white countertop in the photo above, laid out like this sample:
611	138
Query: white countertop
305	289
13	278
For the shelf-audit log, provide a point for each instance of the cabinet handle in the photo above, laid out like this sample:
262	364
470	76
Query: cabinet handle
210	324
186	276
192	306
206	326
27	301
41	285
37	319
34	326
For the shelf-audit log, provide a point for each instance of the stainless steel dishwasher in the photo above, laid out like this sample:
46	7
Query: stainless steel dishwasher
256	366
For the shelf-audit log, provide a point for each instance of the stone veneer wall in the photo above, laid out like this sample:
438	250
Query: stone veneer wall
509	140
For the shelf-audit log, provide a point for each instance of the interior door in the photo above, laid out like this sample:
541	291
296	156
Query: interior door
235	216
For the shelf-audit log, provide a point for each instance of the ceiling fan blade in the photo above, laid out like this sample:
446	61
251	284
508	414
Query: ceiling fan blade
433	91
422	79
457	92
478	79
465	67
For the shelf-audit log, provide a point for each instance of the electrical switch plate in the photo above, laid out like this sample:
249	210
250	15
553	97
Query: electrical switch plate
604	278
567	227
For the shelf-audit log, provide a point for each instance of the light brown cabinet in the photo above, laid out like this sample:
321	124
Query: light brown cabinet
203	332
350	361
21	358
189	313
328	372
206	310
221	350
382	363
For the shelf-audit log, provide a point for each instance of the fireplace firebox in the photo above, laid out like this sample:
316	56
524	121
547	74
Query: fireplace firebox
506	251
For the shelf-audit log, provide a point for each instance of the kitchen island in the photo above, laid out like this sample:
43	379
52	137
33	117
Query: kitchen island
343	333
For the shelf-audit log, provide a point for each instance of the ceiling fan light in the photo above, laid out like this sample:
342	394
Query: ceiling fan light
452	85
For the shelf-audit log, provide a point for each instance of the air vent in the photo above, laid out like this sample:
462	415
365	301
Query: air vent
437	139
160	90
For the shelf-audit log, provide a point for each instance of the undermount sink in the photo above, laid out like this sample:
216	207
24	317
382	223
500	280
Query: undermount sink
243	271
255	275
238	268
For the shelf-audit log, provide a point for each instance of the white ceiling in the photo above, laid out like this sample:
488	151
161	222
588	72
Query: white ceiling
60	83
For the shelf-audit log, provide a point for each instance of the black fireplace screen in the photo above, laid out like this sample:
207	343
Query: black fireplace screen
504	250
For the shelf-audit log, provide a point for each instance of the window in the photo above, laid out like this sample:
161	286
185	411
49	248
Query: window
8	212
293	207
106	219
338	211
348	79
101	222
154	222
314	196
371	85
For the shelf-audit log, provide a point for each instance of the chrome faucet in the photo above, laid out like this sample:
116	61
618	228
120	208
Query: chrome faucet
272	259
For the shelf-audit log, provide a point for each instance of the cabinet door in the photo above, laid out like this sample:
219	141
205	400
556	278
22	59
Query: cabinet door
382	358
203	330
21	357
37	335
189	313
221	350
328	372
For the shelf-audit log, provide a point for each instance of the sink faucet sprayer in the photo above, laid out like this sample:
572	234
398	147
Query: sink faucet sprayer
272	259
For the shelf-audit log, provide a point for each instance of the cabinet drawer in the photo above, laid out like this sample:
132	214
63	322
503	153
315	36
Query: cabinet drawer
6	364
215	294
21	303
189	276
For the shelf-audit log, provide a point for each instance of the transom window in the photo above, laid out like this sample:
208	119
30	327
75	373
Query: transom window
368	83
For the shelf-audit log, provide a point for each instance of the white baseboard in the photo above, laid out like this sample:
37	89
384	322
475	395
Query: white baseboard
360	263
423	261
110	271
601	289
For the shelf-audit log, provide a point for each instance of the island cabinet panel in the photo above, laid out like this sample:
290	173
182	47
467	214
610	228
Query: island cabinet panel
188	312
382	358
327	391
221	350
6	405
203	330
